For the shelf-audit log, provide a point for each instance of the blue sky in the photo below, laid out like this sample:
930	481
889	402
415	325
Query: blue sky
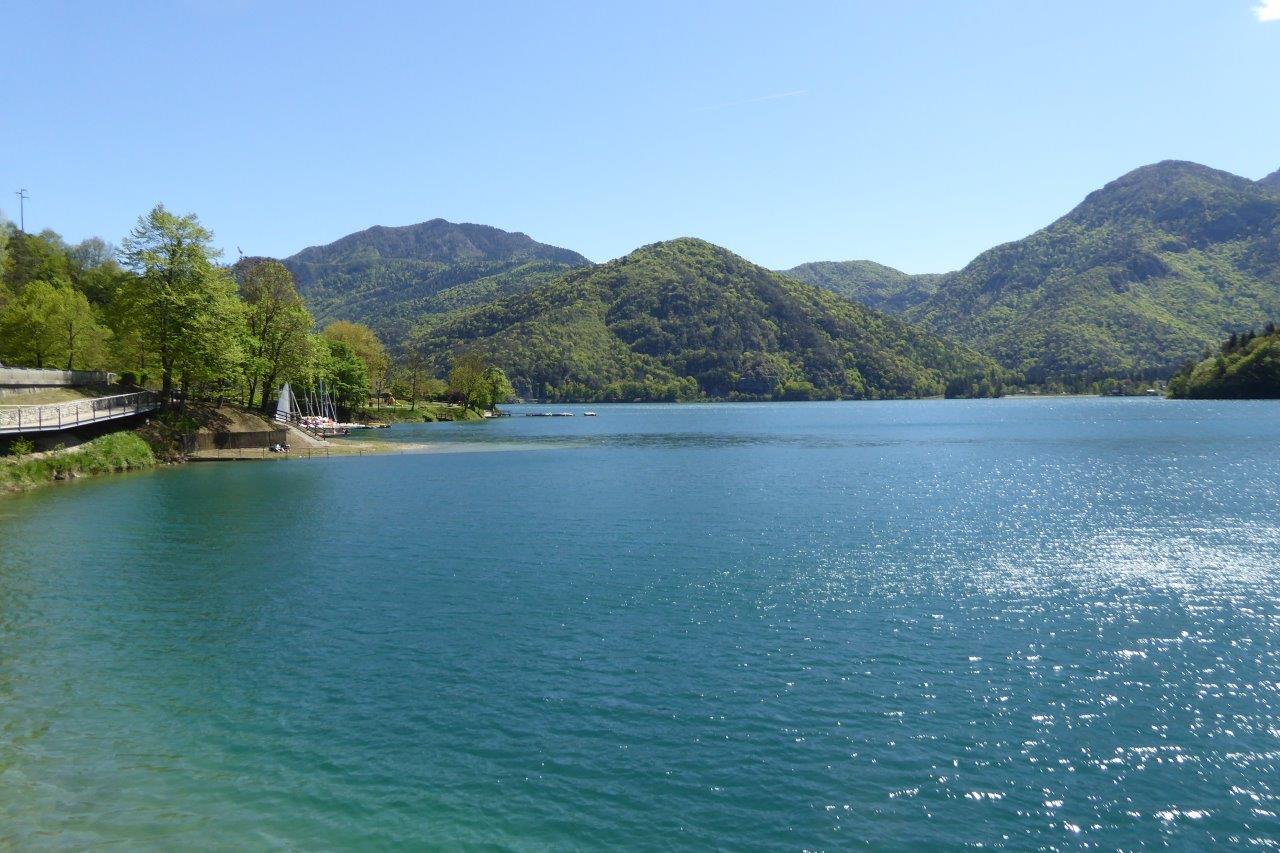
913	133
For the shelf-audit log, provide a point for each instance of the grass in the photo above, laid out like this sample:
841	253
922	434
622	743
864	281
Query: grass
49	396
429	412
119	451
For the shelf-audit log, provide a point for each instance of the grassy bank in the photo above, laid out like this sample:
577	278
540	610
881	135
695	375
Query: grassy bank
120	451
429	412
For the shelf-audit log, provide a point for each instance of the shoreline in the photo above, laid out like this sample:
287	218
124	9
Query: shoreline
50	467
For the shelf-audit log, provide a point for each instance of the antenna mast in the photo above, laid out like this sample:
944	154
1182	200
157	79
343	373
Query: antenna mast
22	210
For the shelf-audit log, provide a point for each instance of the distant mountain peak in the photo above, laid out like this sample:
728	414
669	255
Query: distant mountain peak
873	284
390	275
442	241
1141	275
1272	181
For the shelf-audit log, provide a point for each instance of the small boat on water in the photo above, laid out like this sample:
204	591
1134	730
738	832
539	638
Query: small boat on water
589	414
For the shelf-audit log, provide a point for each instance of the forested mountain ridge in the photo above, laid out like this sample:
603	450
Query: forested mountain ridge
389	277
874	285
1139	277
685	319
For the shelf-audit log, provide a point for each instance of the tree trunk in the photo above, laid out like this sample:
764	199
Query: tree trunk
166	384
267	384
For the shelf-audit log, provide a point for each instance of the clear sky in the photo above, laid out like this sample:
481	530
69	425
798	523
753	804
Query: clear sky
913	133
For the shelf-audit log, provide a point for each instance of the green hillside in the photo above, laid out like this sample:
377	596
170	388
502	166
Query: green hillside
686	319
1139	278
1245	367
390	277
874	285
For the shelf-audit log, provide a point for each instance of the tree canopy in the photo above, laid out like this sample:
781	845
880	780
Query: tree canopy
186	308
172	316
1245	366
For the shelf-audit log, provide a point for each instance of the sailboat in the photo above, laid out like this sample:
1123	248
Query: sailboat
286	405
317	413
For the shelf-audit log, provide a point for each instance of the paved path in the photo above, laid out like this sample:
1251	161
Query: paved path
53	417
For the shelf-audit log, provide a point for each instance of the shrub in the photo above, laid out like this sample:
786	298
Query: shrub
21	447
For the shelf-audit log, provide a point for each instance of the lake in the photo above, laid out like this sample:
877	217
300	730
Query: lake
1029	622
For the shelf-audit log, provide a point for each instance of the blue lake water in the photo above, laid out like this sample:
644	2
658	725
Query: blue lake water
793	626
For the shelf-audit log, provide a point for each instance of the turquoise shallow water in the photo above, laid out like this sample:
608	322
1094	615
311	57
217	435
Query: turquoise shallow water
1018	622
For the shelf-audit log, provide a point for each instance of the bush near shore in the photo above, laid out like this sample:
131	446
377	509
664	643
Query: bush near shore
429	412
120	451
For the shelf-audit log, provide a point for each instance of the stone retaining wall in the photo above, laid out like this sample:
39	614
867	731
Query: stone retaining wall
21	380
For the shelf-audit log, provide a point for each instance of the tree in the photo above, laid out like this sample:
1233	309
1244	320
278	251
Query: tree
83	338
466	378
410	376
365	344
91	253
483	386
343	373
212	358
122	313
34	257
6	229
497	388
279	326
187	309
29	327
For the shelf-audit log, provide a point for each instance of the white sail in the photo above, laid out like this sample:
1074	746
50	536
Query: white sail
284	404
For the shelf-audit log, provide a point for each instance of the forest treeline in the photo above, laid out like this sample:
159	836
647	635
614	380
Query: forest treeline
162	312
1245	366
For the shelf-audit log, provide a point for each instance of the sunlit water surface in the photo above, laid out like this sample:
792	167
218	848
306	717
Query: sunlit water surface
1018	622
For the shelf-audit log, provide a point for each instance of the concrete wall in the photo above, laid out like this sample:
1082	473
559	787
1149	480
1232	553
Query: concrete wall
237	440
20	380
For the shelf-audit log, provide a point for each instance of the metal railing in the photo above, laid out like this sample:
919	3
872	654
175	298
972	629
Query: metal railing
52	417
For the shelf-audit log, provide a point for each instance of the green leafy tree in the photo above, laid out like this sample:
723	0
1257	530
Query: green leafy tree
278	342
35	257
30	331
1250	370
365	344
497	388
412	376
467	377
83	337
212	359
344	374
186	308
6	229
481	384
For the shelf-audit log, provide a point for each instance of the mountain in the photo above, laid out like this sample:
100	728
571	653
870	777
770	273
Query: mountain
389	277
1140	277
874	285
685	319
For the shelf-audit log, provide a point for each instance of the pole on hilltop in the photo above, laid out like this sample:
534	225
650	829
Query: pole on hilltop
22	210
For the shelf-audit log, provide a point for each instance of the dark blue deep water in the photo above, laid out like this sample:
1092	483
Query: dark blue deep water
1028	623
